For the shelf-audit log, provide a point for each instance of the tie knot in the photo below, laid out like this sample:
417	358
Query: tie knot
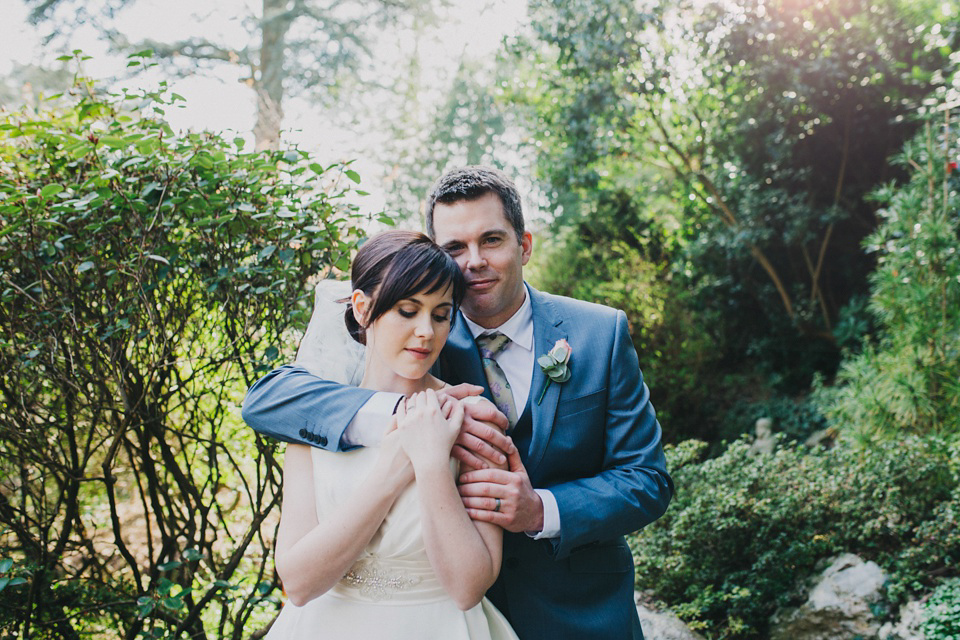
491	344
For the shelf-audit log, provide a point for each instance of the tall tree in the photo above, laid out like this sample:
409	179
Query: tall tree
774	118
294	46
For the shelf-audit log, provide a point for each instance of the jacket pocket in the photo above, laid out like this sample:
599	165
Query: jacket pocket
591	401
602	558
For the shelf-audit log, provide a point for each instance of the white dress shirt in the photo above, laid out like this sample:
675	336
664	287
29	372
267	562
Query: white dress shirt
516	360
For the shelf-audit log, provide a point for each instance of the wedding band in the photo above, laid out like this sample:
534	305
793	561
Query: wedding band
497	508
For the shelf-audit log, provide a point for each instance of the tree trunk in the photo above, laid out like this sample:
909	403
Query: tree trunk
269	82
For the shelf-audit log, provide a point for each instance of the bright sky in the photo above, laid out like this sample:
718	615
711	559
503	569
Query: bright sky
221	102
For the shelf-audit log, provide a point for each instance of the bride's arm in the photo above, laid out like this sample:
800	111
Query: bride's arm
465	555
311	557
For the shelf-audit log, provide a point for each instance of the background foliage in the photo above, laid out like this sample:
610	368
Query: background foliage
746	529
146	279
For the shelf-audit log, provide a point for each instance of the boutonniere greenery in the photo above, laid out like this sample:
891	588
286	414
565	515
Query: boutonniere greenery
555	364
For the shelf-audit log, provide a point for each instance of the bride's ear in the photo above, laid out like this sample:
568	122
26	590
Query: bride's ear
359	302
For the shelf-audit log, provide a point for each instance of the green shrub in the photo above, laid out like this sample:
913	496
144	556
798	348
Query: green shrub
909	378
146	279
942	612
744	529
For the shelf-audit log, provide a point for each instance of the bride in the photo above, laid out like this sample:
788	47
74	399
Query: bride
375	542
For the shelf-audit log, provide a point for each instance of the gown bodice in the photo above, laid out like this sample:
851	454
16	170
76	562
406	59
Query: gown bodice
391	592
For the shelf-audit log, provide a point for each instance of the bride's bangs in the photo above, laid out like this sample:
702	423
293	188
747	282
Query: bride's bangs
418	267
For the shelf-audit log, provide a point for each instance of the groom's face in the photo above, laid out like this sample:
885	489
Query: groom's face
479	237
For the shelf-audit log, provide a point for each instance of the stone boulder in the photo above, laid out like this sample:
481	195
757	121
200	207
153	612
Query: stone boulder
838	605
908	626
662	625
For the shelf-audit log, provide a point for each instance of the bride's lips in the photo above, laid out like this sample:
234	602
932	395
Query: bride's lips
419	354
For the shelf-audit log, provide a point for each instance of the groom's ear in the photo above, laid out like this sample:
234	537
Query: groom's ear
360	303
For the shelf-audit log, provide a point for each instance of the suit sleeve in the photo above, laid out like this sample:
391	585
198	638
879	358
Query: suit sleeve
293	405
632	488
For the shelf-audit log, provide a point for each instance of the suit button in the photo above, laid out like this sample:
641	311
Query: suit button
323	441
512	563
303	433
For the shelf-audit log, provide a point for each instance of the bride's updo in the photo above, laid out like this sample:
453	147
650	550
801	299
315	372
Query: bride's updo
395	265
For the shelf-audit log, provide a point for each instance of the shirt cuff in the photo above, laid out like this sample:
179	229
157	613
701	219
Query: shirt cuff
551	516
370	423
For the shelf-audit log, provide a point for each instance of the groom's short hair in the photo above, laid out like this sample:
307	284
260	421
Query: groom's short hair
471	183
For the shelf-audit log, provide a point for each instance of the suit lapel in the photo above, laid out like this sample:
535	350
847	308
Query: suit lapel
546	332
461	360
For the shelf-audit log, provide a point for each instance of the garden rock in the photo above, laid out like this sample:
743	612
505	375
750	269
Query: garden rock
838	606
908	627
663	625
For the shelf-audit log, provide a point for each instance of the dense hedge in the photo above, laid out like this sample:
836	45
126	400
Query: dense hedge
146	279
744	529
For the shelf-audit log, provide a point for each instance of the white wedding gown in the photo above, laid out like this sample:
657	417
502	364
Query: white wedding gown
391	592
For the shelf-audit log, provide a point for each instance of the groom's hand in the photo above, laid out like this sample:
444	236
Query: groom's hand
481	443
504	497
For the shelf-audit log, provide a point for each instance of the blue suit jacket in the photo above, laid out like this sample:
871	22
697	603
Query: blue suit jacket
595	445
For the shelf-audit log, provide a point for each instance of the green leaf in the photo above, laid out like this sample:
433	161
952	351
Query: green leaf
167	566
84	266
5	565
353	175
266	252
51	190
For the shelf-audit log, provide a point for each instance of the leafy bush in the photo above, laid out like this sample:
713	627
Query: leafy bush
942	612
910	378
146	278
744	529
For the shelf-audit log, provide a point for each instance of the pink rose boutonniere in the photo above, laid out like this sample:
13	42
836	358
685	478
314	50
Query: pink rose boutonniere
555	364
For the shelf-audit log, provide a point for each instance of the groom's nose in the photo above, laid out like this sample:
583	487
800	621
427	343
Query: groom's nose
475	259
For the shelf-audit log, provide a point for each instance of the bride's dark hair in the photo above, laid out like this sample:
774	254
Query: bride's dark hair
395	265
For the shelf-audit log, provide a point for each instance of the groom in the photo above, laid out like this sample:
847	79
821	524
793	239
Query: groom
590	467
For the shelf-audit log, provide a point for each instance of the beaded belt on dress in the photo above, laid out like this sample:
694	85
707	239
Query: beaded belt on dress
377	580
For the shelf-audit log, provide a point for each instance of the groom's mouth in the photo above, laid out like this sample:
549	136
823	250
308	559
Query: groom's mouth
481	285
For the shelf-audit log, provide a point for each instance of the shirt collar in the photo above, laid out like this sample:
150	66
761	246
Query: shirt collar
519	328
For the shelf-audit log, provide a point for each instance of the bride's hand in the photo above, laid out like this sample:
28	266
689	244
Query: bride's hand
394	461
428	428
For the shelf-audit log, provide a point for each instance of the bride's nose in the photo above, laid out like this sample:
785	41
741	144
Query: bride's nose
424	328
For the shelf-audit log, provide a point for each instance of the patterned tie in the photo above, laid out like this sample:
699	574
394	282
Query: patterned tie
490	345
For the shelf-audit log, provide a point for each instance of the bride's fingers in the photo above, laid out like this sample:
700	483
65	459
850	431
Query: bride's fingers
446	406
